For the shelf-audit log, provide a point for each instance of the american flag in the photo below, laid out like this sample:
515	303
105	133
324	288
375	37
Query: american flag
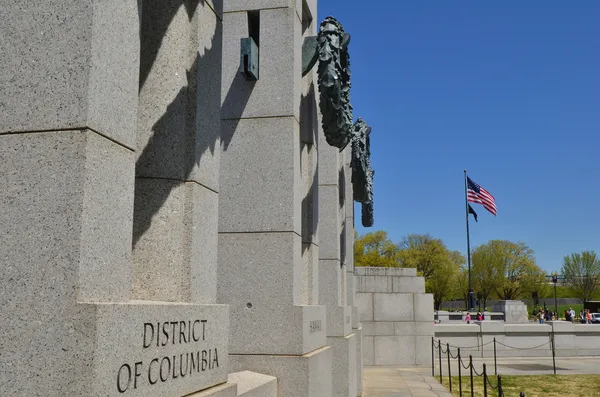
477	194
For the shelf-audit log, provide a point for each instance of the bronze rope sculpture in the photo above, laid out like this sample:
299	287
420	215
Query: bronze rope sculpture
362	174
330	49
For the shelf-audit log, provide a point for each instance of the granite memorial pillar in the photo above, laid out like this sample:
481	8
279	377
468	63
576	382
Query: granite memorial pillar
349	262
332	267
267	262
69	143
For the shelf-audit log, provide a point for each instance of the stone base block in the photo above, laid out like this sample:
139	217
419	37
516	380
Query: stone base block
308	375
139	348
251	384
339	320
515	312
344	365
279	330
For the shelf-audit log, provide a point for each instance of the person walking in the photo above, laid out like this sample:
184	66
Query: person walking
468	318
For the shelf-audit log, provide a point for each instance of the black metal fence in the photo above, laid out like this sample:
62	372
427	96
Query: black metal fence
488	384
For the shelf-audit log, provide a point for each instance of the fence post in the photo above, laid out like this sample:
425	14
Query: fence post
459	374
440	360
553	352
471	375
500	392
495	364
432	357
449	370
484	381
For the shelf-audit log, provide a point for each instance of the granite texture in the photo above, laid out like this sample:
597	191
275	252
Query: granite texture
396	325
393	307
308	280
423	304
159	269
243	5
222	390
310	193
329	163
339	320
329	223
178	119
89	53
127	334
515	312
414	285
252	384
385	271
277	92
395	350
368	350
359	360
330	282
175	258
92	347
344	365
260	189
266	320
308	375
364	302
67	199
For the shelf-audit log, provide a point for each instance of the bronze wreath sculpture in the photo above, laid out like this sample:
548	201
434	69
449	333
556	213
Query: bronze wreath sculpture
334	83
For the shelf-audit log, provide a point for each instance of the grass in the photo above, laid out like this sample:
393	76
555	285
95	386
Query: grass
532	385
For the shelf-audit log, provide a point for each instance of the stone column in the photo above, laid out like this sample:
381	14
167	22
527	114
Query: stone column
332	267
349	262
68	149
265	186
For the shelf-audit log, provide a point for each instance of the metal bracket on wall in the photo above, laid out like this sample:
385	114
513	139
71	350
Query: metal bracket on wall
249	59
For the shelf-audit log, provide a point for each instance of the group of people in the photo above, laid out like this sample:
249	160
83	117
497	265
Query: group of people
480	317
585	317
542	315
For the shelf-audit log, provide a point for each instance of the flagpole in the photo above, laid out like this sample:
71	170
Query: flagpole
471	302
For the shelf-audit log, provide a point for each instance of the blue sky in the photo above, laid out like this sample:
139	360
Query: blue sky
508	90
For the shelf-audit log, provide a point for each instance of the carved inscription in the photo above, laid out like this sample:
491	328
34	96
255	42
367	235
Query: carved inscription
315	325
169	367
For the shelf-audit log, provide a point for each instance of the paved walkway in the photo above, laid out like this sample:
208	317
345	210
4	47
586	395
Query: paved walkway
418	382
402	382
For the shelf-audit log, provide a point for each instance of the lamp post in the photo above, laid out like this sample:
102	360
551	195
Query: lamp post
555	280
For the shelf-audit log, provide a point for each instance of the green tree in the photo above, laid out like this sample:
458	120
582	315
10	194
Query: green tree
461	280
506	268
441	283
432	259
423	252
582	273
375	249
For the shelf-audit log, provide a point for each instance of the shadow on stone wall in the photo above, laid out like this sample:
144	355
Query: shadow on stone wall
190	126
309	130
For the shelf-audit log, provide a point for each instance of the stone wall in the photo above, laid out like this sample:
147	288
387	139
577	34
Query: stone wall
168	227
521	340
396	316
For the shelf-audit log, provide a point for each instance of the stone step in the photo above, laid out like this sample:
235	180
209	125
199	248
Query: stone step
252	384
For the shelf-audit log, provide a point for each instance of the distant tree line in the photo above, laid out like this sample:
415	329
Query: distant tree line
500	269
